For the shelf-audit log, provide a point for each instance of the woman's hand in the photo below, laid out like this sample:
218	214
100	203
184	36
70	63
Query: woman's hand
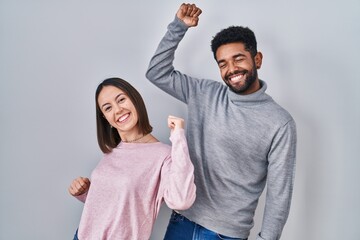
79	186
175	123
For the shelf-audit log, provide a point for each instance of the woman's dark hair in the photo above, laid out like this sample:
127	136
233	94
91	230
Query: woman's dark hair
235	34
108	137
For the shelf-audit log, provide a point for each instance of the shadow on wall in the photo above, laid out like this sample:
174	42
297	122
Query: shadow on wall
161	223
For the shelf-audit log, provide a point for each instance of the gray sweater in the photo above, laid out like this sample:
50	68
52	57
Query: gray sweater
237	143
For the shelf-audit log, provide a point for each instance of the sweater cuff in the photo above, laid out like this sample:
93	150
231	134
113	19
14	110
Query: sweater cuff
258	237
178	23
175	134
82	197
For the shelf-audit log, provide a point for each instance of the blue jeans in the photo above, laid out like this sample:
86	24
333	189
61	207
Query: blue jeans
75	236
181	228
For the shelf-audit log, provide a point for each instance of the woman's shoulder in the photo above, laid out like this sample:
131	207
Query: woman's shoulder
160	146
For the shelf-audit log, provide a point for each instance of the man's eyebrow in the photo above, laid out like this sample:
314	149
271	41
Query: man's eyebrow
234	56
239	55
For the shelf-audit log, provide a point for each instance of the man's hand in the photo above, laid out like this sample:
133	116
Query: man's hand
189	14
79	186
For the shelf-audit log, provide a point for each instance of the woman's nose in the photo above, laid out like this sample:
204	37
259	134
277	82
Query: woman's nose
118	108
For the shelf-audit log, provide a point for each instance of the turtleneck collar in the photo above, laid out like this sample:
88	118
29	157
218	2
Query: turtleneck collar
255	98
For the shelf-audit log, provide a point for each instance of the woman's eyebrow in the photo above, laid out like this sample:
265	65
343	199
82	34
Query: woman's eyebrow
104	105
119	95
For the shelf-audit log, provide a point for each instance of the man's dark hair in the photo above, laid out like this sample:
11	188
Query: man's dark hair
234	34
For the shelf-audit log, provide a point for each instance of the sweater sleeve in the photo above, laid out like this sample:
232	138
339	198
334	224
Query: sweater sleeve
177	174
161	71
82	197
280	178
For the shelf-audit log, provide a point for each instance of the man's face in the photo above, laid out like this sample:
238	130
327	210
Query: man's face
238	68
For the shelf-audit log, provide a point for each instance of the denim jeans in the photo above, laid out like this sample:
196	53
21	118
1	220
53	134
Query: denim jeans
181	228
75	236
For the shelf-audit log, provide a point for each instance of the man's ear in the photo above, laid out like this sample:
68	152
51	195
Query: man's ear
258	60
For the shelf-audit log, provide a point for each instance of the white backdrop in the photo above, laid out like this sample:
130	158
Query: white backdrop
54	53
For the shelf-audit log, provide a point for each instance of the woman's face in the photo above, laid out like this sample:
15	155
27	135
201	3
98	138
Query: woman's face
118	109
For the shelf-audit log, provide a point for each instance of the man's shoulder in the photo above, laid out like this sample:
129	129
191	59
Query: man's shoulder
209	84
279	113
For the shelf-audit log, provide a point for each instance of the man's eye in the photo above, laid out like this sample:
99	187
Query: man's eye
222	65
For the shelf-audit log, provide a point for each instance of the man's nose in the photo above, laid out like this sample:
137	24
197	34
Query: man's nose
232	67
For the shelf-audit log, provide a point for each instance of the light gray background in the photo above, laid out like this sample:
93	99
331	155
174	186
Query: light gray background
54	53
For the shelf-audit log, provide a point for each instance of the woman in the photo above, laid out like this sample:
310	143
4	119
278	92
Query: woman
137	172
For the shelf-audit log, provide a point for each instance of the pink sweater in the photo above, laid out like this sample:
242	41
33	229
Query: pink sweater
130	183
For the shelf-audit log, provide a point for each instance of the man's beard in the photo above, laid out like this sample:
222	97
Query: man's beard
250	78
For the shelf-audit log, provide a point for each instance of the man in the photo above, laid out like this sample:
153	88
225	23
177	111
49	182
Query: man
239	137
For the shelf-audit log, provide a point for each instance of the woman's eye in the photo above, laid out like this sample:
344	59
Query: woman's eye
107	109
120	100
